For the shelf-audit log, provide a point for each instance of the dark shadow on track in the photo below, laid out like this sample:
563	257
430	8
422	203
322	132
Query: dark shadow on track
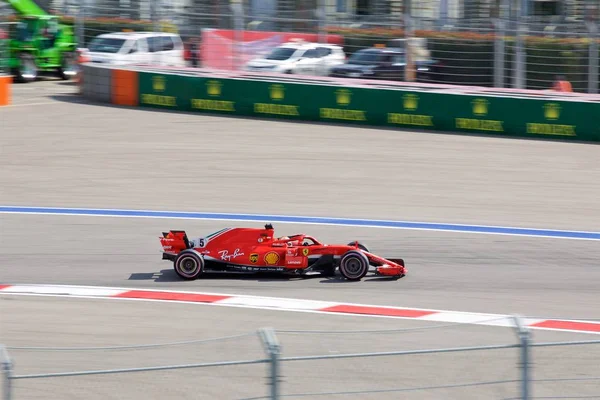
368	278
169	276
77	98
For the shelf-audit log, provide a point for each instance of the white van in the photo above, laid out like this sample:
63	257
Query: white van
300	57
152	48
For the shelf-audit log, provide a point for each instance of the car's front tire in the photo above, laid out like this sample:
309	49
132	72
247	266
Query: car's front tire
354	265
360	246
189	264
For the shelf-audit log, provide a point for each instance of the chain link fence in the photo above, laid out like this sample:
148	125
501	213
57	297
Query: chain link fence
470	42
310	363
4	38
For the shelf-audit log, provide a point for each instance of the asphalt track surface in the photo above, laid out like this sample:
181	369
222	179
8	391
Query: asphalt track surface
59	152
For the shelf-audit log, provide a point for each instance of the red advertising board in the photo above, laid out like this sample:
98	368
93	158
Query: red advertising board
230	50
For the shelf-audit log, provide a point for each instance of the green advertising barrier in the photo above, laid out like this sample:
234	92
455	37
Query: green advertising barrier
519	117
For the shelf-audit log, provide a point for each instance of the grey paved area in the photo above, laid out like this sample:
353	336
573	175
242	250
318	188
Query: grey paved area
84	323
87	155
61	153
477	273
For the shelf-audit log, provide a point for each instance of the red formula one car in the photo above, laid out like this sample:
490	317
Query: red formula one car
258	250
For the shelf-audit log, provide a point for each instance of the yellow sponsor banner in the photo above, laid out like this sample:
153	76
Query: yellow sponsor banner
551	129
480	124
159	100
213	105
410	119
342	114
276	109
551	112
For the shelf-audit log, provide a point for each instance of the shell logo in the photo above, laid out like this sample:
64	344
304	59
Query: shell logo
271	258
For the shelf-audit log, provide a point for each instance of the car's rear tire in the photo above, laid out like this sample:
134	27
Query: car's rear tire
354	265
189	264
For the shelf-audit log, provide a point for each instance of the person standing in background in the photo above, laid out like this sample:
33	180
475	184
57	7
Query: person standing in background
561	84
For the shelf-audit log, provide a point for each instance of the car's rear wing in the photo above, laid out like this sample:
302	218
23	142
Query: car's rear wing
173	242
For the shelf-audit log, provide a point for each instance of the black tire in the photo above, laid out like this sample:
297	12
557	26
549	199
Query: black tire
27	70
189	265
360	246
69	66
354	265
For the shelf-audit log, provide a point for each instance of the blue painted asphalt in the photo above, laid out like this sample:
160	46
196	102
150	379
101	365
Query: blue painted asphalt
263	218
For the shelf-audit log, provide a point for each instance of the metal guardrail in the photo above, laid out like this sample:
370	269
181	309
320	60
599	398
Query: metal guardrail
275	361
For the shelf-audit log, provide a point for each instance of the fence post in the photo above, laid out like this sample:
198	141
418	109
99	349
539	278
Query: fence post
321	21
593	65
409	69
237	7
273	349
499	53
154	15
520	54
524	339
6	373
80	23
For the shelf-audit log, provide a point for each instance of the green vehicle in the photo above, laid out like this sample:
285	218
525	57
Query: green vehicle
38	43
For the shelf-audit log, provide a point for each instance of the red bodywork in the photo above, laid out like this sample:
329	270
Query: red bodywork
259	249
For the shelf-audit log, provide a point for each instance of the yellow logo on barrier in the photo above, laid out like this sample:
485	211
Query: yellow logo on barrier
159	83
213	88
551	111
343	97
277	92
411	102
480	107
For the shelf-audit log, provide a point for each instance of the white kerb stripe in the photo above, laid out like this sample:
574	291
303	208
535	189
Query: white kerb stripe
64	290
286	304
475	319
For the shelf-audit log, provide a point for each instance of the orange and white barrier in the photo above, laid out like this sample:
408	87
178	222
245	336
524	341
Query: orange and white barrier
5	89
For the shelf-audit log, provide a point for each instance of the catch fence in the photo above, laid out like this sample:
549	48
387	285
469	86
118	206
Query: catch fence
334	367
4	39
495	46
